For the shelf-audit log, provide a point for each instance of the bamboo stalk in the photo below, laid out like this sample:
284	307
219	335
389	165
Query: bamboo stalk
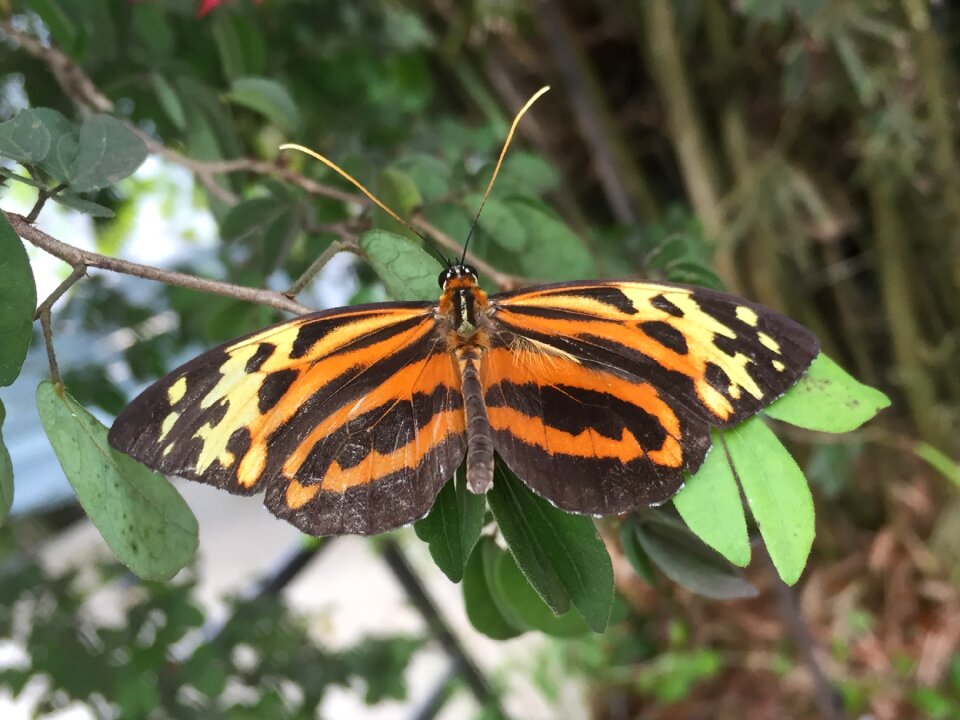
900	306
628	194
932	66
689	138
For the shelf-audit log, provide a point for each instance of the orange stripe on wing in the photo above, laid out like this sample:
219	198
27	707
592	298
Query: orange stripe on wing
424	375
376	465
692	364
503	365
500	365
319	374
407	458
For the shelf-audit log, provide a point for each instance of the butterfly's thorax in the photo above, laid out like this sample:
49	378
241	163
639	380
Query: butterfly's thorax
464	308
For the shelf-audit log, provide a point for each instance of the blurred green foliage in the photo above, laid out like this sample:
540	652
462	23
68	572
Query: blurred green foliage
148	652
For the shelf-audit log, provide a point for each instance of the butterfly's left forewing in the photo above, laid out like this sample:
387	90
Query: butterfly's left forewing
601	394
351	419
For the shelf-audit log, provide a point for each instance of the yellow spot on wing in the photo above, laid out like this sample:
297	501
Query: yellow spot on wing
745	314
769	343
239	390
168	422
176	391
779	366
701	328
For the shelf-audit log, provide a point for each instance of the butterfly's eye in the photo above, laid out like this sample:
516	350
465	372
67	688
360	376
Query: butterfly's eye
444	276
470	269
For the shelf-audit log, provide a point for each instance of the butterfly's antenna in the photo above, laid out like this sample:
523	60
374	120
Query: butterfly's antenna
496	170
373	198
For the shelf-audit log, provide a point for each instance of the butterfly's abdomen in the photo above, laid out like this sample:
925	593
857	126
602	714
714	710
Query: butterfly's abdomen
479	435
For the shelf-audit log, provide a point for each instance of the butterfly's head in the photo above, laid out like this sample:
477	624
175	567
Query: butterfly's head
466	274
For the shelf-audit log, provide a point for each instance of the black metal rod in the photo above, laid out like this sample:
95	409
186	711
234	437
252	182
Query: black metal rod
467	670
441	694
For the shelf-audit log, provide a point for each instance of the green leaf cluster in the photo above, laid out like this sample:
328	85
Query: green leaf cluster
554	576
154	660
73	157
750	459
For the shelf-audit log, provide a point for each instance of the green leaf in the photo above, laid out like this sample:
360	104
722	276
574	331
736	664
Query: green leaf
29	136
553	252
827	399
710	505
499	223
635	554
398	192
4	172
169	101
153	37
452	528
527	174
687	561
59	162
139	513
940	462
108	152
239	45
777	495
482	610
406	269
18	301
6	473
527	605
506	499
431	175
250	218
229	47
266	226
87	207
560	554
268	98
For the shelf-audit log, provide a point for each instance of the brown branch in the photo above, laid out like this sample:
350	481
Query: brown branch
828	699
77	258
335	248
79	271
80	88
43	315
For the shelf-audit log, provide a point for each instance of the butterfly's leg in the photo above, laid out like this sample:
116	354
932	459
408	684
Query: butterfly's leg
479	436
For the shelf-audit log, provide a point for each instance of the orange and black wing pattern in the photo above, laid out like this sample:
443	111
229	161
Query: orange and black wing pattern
350	419
600	394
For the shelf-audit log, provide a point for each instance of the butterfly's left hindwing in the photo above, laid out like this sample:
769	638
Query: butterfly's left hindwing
350	419
602	393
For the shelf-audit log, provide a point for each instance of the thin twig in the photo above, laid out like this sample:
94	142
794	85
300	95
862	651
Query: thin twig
48	342
43	315
828	699
76	257
335	248
43	195
79	271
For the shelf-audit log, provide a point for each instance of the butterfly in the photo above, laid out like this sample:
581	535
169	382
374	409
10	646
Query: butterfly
599	395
